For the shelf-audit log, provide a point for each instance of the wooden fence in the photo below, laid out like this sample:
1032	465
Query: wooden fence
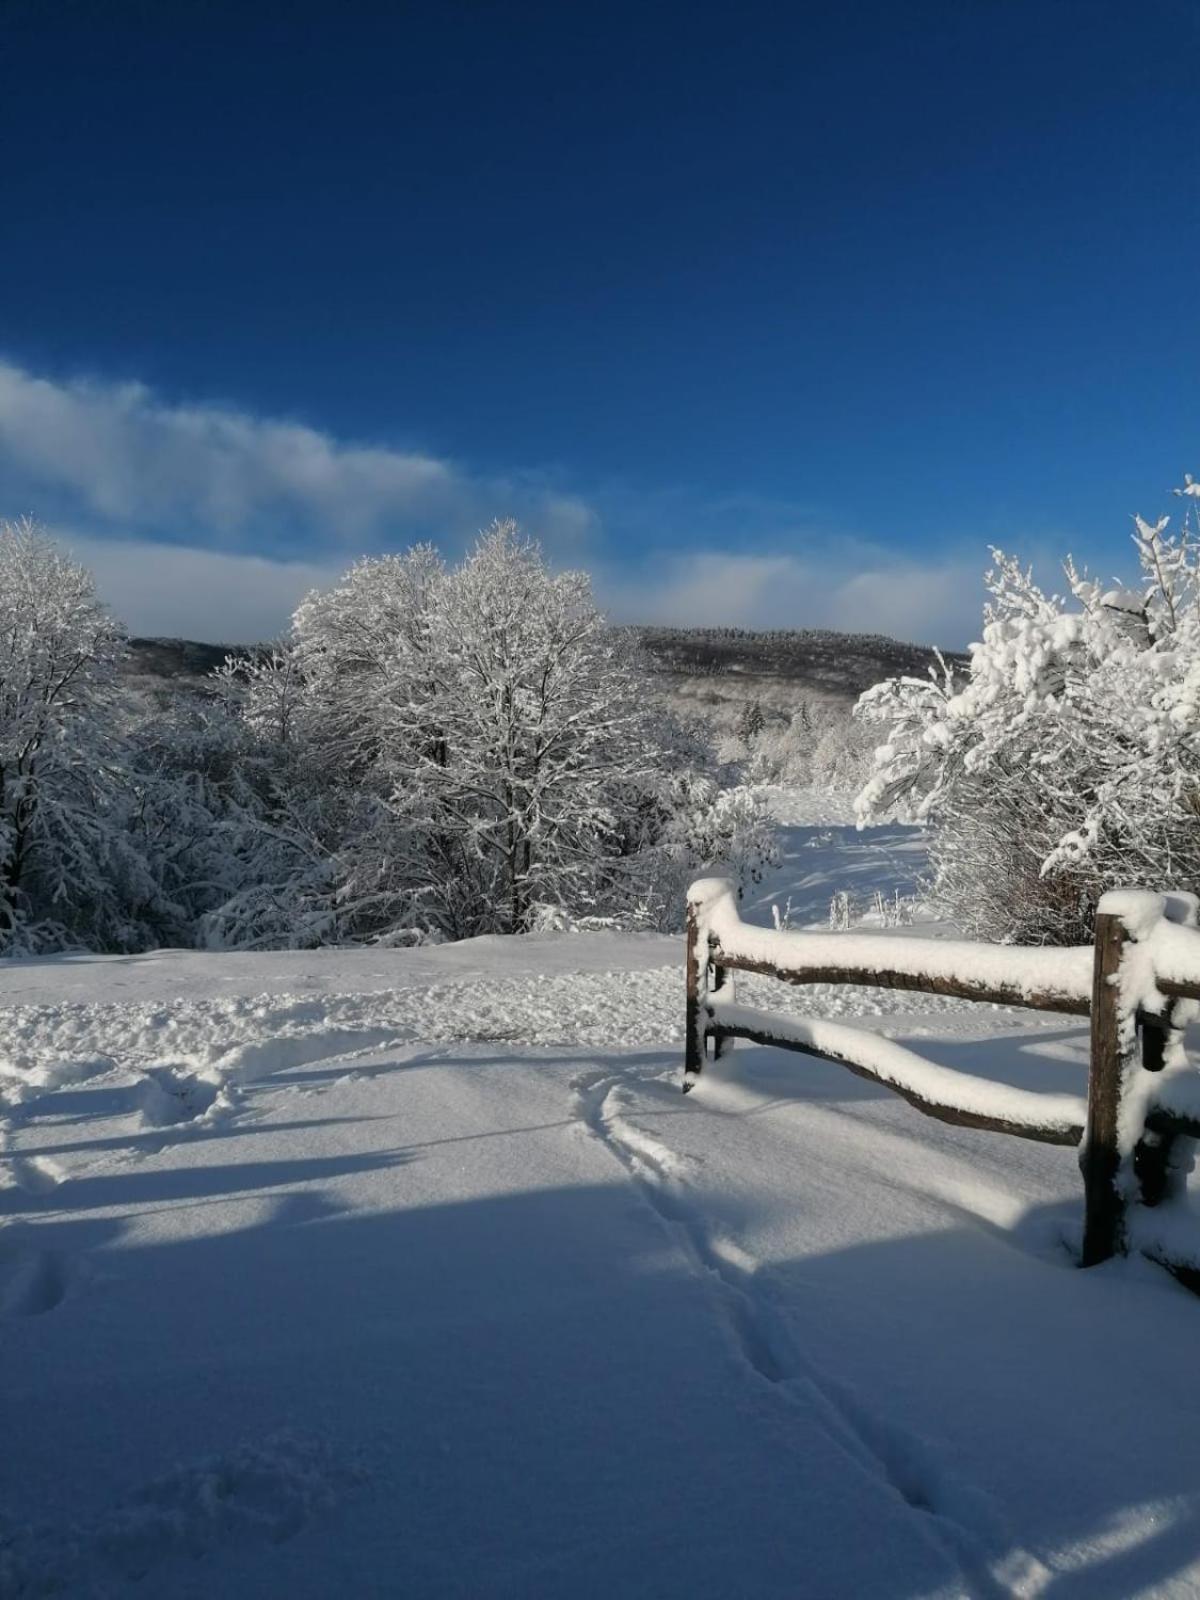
1138	982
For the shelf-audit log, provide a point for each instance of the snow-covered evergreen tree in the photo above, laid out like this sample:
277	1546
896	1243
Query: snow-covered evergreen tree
751	722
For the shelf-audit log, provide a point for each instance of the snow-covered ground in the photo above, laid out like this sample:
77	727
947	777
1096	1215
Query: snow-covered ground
413	1273
823	854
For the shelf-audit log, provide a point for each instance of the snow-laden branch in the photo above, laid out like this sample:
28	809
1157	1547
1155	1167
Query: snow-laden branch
1066	760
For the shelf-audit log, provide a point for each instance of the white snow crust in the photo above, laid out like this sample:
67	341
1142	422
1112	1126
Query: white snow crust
1060	972
893	1063
413	1273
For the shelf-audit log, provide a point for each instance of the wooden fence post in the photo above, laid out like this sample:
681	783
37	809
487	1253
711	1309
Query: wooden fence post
1163	1157
703	974
695	1020
722	979
1100	1157
1156	1162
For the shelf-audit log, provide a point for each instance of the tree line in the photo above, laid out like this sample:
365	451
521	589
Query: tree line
434	751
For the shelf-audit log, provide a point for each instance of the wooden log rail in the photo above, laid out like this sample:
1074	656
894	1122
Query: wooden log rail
1138	983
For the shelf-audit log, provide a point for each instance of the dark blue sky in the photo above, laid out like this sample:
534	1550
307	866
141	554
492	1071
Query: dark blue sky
860	286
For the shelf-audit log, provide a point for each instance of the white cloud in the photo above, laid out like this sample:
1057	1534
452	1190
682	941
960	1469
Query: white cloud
848	588
235	598
934	603
254	511
178	592
118	456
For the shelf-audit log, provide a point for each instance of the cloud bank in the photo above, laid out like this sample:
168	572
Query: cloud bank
238	598
129	462
177	591
844	586
209	522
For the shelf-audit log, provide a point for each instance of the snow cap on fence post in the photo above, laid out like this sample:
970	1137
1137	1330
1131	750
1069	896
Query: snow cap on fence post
1138	910
707	893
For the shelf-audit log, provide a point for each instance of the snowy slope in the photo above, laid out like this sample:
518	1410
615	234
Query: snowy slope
412	1272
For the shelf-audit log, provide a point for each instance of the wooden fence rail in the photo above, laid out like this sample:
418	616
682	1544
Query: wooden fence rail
1138	982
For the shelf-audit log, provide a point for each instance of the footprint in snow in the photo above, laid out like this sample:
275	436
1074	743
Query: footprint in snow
32	1281
168	1097
32	1174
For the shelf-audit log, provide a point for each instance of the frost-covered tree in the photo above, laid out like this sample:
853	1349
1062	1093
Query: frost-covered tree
821	745
371	660
751	722
537	728
467	750
1068	758
231	813
71	871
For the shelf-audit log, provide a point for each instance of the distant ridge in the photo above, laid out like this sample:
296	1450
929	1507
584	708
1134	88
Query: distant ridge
177	658
816	661
708	664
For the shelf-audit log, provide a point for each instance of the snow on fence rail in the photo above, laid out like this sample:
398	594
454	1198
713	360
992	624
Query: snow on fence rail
1139	982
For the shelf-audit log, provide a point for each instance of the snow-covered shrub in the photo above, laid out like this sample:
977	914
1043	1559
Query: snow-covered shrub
71	870
894	911
227	815
1068	759
701	824
880	911
735	829
840	911
784	919
730	750
842	756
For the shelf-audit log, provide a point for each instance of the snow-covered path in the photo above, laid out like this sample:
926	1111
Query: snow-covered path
313	1280
458	1352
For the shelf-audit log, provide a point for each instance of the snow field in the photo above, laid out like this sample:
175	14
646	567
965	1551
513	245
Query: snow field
414	1272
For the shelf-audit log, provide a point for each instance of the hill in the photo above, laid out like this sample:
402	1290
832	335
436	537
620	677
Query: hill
814	659
701	666
713	673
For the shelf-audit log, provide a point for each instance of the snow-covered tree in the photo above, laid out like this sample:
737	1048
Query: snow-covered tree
751	722
434	752
820	745
231	813
1068	759
467	750
71	871
537	731
371	659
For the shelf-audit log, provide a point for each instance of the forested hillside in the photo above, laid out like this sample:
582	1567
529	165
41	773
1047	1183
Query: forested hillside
809	662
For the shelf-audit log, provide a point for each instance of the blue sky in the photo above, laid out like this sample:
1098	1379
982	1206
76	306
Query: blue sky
769	315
